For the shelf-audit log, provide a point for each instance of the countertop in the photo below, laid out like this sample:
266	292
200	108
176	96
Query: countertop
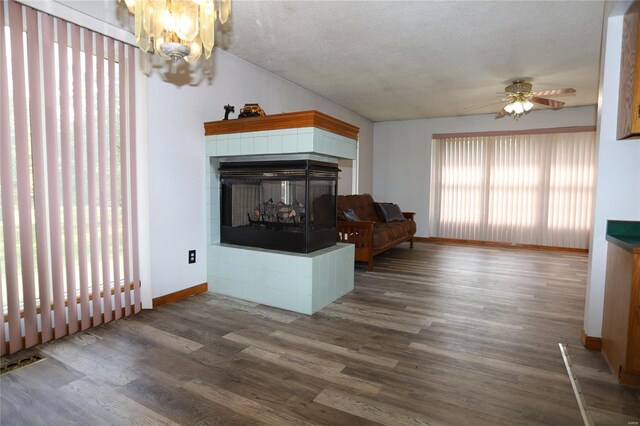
625	234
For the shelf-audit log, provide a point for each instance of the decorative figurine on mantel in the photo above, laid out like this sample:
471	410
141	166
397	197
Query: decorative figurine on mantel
227	109
251	110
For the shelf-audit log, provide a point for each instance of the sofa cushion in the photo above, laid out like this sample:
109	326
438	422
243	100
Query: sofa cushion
349	214
362	206
387	232
390	212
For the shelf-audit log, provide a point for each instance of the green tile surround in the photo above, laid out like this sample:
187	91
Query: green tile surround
625	234
285	141
301	283
296	282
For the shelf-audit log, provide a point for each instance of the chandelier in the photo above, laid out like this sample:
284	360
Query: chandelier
177	29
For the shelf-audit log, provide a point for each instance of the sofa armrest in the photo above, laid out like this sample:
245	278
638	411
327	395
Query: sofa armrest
359	233
409	215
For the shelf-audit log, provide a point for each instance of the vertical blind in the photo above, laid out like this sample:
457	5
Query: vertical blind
68	217
522	189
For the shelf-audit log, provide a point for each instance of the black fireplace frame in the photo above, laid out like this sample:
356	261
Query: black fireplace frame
270	235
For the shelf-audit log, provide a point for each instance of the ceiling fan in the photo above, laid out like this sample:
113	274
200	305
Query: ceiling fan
520	99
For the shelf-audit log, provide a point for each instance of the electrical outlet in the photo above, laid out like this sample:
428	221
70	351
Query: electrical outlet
192	256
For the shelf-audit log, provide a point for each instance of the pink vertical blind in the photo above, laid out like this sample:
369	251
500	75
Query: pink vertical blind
78	134
124	178
68	231
67	186
135	258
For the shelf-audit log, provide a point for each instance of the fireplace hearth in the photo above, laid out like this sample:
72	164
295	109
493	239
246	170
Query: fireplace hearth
280	205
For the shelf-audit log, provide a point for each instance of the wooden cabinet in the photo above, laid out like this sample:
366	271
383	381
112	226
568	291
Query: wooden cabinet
621	320
629	99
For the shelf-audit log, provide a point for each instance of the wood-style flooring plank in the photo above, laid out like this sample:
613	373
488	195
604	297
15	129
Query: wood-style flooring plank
258	413
111	405
157	337
369	409
105	365
254	309
285	360
335	349
321	366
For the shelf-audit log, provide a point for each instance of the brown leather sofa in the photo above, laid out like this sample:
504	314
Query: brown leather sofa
371	235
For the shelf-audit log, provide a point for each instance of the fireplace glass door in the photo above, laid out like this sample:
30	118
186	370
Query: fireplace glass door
280	205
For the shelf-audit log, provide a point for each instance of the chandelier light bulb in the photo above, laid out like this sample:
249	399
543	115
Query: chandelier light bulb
528	105
196	50
508	108
165	19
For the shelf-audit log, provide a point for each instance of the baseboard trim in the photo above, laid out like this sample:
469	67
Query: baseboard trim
590	342
421	239
179	295
630	379
496	244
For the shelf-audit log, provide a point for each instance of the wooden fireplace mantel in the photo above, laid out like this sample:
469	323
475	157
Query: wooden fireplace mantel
287	120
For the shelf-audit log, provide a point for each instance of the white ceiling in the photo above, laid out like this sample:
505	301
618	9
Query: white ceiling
396	60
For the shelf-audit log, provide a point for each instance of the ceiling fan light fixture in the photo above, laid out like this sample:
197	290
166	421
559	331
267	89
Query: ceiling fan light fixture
521	100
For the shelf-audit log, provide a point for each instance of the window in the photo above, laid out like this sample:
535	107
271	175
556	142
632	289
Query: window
68	228
523	189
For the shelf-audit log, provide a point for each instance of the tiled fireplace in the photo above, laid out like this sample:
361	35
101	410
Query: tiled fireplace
256	195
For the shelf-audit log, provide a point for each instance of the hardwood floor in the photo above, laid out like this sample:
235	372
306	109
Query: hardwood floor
441	334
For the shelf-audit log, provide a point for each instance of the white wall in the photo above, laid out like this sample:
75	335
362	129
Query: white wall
618	184
402	151
177	157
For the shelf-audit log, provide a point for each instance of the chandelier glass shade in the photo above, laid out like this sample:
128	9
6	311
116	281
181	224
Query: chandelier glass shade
178	29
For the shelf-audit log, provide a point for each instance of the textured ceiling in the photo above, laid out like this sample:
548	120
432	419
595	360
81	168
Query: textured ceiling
396	60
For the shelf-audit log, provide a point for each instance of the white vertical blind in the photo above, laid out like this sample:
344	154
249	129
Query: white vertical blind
68	211
522	189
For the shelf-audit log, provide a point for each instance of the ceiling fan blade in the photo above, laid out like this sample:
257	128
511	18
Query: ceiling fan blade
484	106
554	92
548	102
501	113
